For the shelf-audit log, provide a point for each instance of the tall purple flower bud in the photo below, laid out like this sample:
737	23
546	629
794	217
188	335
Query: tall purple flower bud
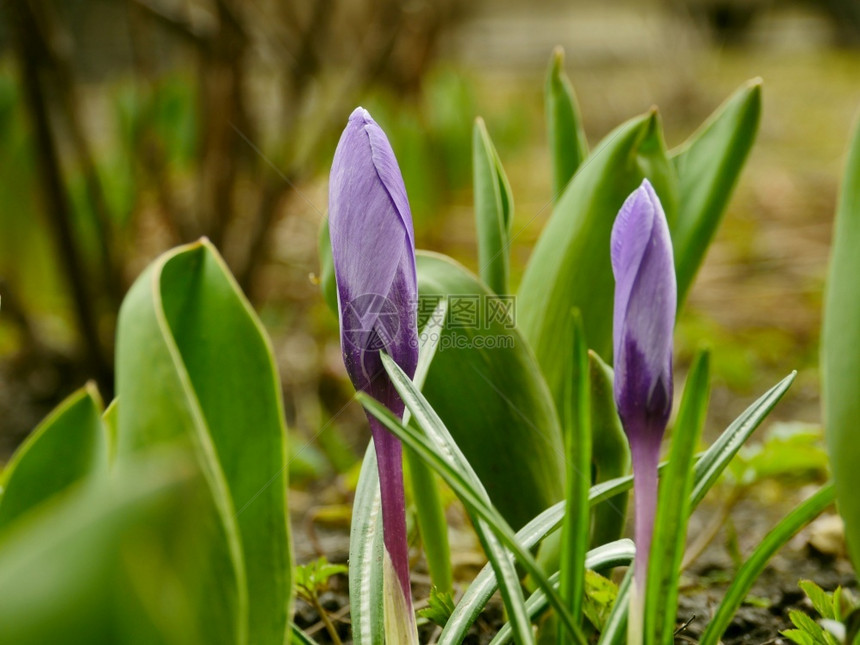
373	247
643	321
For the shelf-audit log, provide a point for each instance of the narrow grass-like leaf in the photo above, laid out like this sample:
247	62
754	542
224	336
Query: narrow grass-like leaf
673	508
429	508
614	554
567	143
720	453
743	581
569	267
365	556
615	630
708	166
577	431
709	466
299	637
458	474
840	359
365	542
493	210
707	470
68	446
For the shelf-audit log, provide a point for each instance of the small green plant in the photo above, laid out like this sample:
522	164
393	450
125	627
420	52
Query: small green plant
833	610
440	606
311	580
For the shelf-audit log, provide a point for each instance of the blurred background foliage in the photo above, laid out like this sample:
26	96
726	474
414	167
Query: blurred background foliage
129	126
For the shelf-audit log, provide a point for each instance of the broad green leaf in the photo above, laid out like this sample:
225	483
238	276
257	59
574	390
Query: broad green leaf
840	359
486	386
194	366
567	143
569	267
610	453
804	513
494	206
577	439
68	446
106	561
708	166
673	508
365	556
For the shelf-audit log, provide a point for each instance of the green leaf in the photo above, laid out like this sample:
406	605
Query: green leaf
194	366
804	513
365	556
721	452
569	267
577	431
840	360
600	594
610	454
311	579
673	508
494	207
820	599
567	143
708	166
68	446
439	608
484	378
429	508
108	561
298	637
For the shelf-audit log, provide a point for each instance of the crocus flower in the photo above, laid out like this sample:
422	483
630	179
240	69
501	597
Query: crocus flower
373	248
643	320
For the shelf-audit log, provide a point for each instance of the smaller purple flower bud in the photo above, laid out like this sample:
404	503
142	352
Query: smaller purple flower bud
373	249
643	322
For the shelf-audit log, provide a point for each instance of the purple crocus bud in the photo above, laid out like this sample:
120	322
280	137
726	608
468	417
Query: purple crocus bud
643	321
373	248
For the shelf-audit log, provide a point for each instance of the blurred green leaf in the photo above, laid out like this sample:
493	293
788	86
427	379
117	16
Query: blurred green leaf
328	284
840	359
708	166
485	385
787	450
194	366
567	143
569	267
493	211
108	561
68	446
600	594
